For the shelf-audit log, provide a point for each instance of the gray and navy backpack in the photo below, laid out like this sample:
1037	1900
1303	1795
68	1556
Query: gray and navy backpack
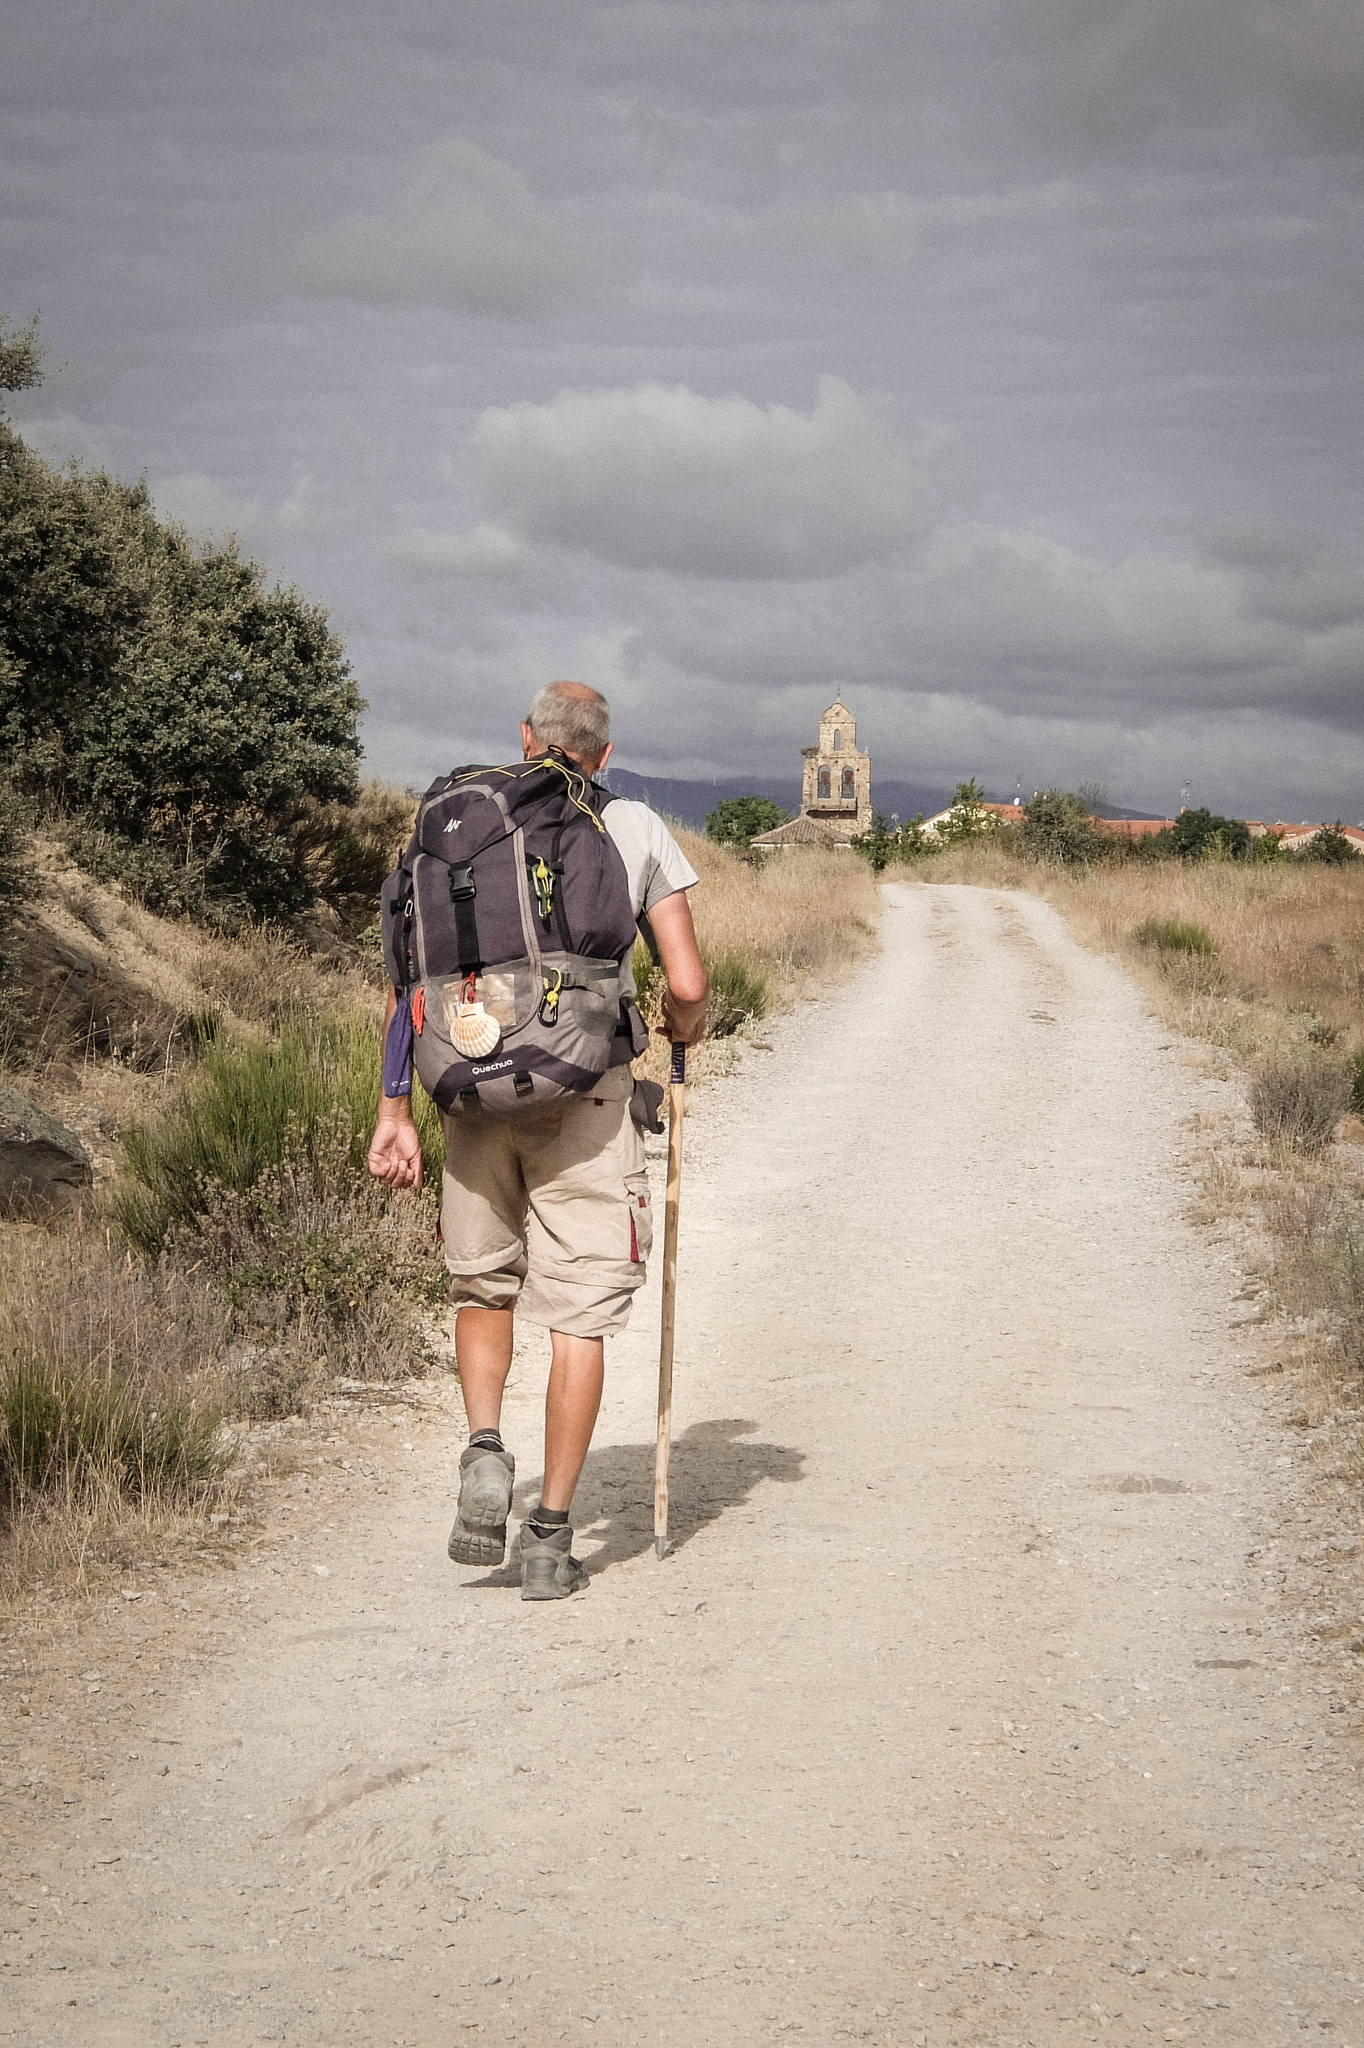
505	928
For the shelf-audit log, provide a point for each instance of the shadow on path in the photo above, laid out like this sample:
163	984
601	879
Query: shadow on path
712	1469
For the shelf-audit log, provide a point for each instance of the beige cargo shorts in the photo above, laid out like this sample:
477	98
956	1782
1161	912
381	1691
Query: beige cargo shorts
549	1213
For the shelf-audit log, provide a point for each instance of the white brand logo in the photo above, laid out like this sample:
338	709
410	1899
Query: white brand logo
454	825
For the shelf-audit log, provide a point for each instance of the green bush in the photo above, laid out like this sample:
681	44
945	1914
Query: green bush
1058	830
1329	846
1357	1081
913	843
1169	935
879	846
738	819
250	1109
968	818
159	686
1298	1099
1203	835
738	994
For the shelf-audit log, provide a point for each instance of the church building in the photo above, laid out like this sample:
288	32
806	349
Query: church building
836	787
835	798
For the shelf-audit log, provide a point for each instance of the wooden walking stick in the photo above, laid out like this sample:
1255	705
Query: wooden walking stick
677	1104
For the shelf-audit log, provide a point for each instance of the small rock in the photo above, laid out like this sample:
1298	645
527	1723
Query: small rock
322	1571
43	1164
494	1978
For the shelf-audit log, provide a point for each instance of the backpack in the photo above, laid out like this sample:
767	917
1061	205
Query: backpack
505	927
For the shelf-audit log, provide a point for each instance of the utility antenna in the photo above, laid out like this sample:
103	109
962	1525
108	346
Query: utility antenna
1184	797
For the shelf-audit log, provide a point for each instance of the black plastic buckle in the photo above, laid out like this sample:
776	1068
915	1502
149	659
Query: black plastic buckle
462	884
468	1098
523	1083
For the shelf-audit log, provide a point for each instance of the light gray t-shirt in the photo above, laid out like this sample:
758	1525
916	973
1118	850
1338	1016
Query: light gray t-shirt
655	864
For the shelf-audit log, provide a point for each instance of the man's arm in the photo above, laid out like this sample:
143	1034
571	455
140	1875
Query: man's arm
395	1153
684	1004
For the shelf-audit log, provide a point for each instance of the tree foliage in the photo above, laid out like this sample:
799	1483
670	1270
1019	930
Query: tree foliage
1203	835
878	846
1057	828
737	820
968	818
158	684
1330	846
21	356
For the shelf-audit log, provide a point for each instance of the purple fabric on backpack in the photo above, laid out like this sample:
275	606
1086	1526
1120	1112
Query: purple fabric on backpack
398	1051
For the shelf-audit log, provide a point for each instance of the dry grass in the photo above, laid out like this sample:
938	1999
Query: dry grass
1290	944
801	921
806	918
108	1409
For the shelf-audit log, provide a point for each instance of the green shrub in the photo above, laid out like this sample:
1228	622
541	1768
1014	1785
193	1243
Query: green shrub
1330	846
1203	835
1169	935
738	819
325	1277
913	843
160	686
879	846
1057	829
968	818
250	1109
1298	1099
738	994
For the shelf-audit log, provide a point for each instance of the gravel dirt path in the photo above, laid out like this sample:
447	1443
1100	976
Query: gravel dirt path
973	1705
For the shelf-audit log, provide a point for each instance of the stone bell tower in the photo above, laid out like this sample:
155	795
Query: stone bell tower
836	786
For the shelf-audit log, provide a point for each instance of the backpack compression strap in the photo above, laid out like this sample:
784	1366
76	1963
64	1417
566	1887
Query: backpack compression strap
462	894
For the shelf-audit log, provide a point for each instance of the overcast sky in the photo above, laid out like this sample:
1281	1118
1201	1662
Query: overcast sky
996	363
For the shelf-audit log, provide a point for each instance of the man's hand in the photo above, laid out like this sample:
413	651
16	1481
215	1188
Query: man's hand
684	1004
395	1154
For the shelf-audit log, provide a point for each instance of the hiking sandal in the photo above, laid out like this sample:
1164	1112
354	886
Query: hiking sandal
485	1490
549	1570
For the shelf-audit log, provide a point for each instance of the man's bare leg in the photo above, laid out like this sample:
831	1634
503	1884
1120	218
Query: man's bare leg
483	1349
571	1403
549	1570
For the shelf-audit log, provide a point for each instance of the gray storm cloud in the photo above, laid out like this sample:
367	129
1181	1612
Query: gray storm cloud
456	227
589	335
660	477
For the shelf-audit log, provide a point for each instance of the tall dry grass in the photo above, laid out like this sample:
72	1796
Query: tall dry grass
804	918
792	923
110	1408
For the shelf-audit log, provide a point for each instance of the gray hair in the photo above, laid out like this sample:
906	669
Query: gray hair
571	716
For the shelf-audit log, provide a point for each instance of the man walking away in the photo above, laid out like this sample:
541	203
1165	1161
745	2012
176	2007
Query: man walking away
548	1210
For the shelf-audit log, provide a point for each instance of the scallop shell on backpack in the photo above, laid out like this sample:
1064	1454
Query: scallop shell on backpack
474	1033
